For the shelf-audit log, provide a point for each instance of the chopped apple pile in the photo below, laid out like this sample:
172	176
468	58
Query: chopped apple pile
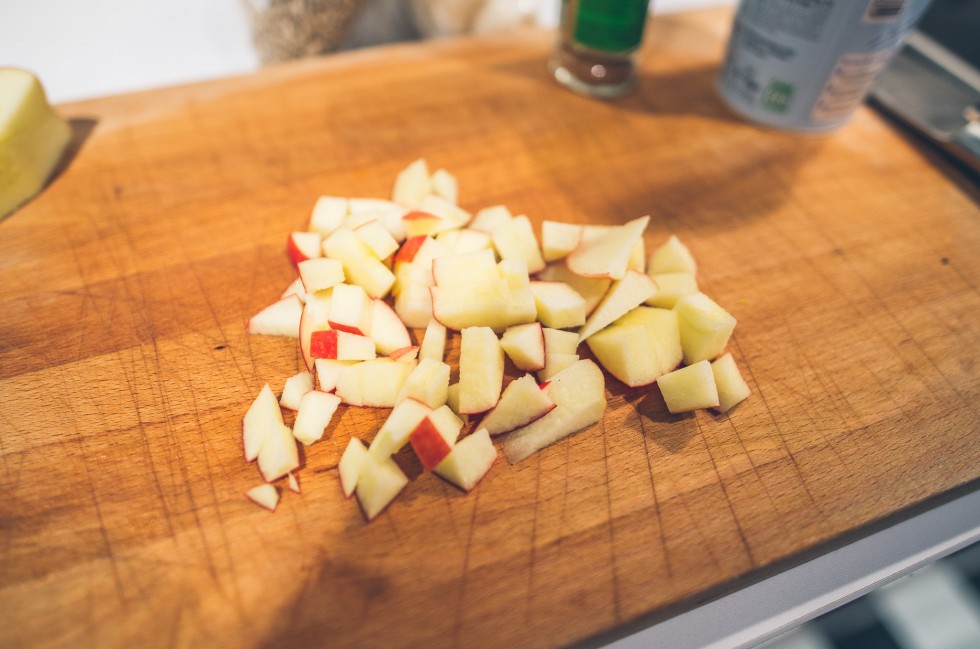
387	290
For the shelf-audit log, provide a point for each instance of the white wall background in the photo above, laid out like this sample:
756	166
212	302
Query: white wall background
89	48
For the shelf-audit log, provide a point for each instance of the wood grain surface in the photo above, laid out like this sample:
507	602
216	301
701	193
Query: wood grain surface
849	260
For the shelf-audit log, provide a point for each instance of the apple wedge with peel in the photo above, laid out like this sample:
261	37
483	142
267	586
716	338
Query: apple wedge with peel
521	402
689	388
579	392
278	455
316	409
524	344
281	318
705	327
262	419
397	428
374	383
607	255
350	465
481	370
469	461
265	495
301	246
378	482
624	295
427	383
294	389
640	346
732	388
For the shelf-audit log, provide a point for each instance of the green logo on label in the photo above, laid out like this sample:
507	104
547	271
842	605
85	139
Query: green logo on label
777	96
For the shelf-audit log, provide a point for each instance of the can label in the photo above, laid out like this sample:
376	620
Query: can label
610	25
807	64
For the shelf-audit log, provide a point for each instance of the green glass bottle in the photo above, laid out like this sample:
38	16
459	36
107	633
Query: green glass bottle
597	44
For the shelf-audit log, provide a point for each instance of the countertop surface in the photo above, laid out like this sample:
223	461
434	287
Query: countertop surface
849	260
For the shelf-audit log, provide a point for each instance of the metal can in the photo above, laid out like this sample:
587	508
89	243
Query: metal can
806	65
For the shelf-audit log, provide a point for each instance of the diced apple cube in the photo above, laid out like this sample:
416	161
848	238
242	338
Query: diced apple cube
671	287
394	433
608	255
262	420
521	402
278	455
328	371
515	239
558	240
374	383
433	342
705	327
378	482
639	347
351	309
689	388
281	318
361	265
350	465
465	268
557	341
301	246
555	362
378	238
524	344
469	461
386	329
592	289
672	257
316	409
489	218
328	214
444	184
264	495
623	296
427	383
294	389
558	305
481	370
732	388
412	185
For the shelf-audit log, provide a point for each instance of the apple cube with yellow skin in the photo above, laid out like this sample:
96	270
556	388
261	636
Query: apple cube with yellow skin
32	138
639	347
732	388
705	327
689	388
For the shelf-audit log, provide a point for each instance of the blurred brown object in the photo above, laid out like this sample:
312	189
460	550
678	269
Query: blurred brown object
292	29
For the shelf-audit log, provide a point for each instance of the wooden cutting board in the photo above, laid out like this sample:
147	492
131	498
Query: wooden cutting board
850	262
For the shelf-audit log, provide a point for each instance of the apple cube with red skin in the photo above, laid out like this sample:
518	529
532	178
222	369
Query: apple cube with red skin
524	344
469	461
301	246
262	419
341	345
481	370
580	397
379	480
396	430
608	255
689	388
265	495
434	436
281	318
350	465
316	409
521	402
